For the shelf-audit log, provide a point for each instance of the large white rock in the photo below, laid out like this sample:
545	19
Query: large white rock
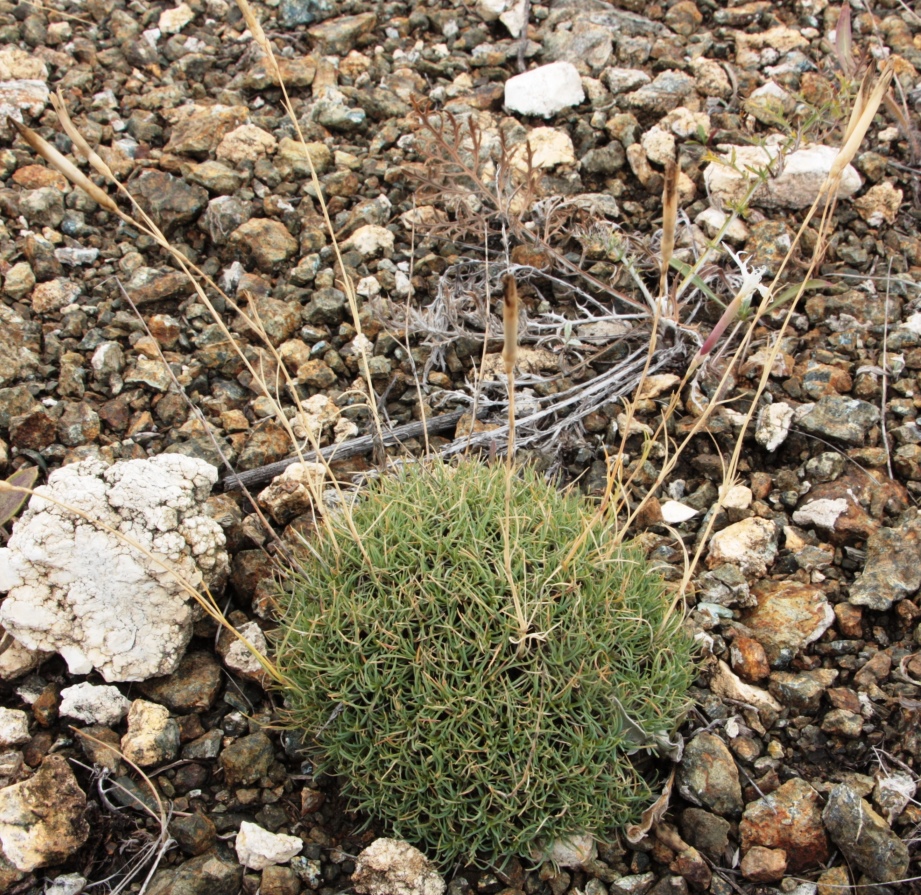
394	867
545	91
94	704
258	848
77	584
799	176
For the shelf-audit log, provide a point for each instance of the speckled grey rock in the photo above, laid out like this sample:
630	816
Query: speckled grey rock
864	836
708	776
843	419
893	566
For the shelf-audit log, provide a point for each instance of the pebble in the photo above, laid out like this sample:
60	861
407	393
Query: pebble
394	867
194	834
247	759
864	836
218	868
840	418
802	691
192	687
788	617
152	737
94	704
258	848
764	865
892	570
33	836
54	295
751	544
789	819
797	186
545	91
14	728
880	204
264	242
707	776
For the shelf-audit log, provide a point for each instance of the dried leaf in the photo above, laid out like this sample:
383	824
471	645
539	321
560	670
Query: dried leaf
635	833
11	501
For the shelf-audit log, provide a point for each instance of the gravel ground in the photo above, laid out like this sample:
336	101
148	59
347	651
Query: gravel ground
801	750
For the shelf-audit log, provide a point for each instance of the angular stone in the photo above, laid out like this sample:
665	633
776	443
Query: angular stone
213	873
152	737
192	687
789	616
247	759
33	836
339	35
708	776
844	419
751	544
170	201
893	566
197	129
54	295
864	836
265	242
545	90
789	819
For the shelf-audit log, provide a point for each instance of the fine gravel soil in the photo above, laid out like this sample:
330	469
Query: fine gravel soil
798	569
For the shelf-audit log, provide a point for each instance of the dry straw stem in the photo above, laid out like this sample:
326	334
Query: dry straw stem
669	221
361	341
203	597
192	272
865	108
510	351
164	843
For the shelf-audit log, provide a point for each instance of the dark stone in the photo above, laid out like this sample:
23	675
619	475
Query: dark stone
246	760
169	200
194	834
213	873
192	687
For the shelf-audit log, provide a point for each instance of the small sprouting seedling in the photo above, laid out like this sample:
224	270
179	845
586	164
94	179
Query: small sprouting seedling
13	497
484	691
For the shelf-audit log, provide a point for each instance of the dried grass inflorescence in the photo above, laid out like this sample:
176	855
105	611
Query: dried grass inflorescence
474	687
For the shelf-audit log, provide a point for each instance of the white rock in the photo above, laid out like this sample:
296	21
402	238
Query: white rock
371	241
258	848
544	91
797	186
726	684
394	867
712	220
674	513
549	148
738	497
41	819
575	851
66	884
152	737
880	204
750	544
246	143
684	123
296	490
659	145
172	21
368	287
17	659
822	513
94	704
14	728
16	64
238	658
91	595
773	425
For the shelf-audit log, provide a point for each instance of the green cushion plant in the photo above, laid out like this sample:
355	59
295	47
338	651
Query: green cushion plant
470	686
